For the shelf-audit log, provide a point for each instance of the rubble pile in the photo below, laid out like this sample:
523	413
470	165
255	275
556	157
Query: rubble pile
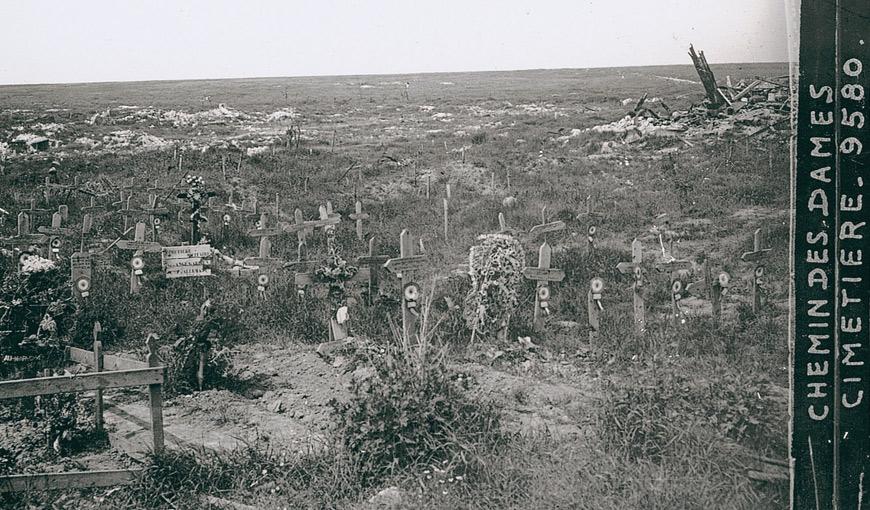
760	108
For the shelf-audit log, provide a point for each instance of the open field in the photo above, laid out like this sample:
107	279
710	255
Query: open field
685	415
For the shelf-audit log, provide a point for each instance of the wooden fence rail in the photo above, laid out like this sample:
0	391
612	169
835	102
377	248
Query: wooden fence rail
110	372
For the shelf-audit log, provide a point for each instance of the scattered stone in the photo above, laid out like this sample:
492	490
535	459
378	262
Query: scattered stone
390	498
278	406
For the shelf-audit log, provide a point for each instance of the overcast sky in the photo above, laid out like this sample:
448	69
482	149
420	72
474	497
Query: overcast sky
57	41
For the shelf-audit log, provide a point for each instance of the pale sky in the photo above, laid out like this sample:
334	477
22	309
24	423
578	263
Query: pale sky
59	41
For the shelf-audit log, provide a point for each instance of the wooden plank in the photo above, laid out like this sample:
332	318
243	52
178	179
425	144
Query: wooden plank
544	274
81	382
111	362
547	227
403	264
70	480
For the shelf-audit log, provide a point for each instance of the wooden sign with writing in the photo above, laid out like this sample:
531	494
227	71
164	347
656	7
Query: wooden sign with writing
82	274
187	261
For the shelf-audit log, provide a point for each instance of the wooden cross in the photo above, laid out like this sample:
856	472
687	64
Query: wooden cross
359	216
50	187
543	275
328	220
154	213
139	246
264	258
662	227
302	232
594	307
33	212
405	268
25	237
757	254
545	226
93	206
635	267
675	268
714	289
56	233
123	200
126	212
373	262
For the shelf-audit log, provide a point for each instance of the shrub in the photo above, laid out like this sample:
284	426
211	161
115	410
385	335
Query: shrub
414	411
495	266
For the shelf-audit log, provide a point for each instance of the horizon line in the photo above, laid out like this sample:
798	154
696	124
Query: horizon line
161	80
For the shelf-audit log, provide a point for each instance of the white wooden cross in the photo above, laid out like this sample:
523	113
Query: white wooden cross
139	246
406	267
543	275
359	216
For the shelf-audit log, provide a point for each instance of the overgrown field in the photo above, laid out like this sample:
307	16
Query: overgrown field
682	416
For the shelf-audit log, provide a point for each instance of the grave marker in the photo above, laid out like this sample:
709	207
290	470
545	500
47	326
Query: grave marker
186	261
405	268
757	254
373	263
359	216
56	233
24	238
154	215
635	267
594	307
543	275
714	289
545	227
139	247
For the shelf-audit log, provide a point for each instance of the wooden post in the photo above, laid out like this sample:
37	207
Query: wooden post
542	275
359	216
428	185
405	268
590	239
635	267
757	254
154	214
98	364
155	396
449	195
714	289
264	255
594	308
446	224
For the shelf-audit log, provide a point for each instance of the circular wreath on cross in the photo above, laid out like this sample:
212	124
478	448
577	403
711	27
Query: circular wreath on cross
495	266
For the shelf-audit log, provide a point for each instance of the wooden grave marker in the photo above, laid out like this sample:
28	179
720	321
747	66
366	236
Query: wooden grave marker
675	269
543	274
56	233
373	263
186	261
594	307
545	226
264	259
757	255
24	238
635	267
155	215
713	288
139	246
359	216
406	267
